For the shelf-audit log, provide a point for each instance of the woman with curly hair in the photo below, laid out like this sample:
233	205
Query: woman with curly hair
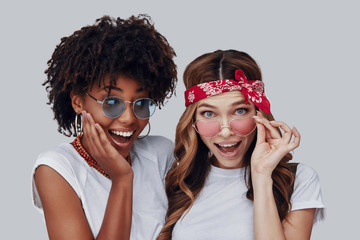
232	178
104	83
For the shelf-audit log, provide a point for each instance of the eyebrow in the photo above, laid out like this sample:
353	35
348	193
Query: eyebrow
207	105
109	88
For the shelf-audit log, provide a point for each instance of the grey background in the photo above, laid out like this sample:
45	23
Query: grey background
308	52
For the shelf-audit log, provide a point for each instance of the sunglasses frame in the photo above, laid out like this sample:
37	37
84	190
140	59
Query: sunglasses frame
132	105
221	127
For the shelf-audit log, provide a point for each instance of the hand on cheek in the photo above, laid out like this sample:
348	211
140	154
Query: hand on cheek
100	148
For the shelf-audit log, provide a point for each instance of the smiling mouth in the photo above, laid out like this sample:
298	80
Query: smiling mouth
121	137
227	148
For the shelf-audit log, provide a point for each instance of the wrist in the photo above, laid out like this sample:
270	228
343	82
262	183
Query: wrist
124	179
260	181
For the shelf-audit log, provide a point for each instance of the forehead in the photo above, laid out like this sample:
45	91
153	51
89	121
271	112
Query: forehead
223	99
121	82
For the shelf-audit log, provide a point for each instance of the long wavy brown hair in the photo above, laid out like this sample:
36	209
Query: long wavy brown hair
187	176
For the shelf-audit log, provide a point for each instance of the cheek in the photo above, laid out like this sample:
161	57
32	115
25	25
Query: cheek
141	124
208	144
248	140
98	115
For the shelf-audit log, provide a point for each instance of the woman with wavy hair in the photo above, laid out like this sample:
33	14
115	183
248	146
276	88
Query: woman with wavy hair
232	178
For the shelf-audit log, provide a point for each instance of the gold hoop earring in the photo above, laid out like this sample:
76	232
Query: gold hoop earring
142	137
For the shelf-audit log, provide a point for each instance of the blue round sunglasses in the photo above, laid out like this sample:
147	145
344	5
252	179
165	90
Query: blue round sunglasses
113	107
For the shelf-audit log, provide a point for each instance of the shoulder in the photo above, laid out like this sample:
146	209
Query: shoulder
307	191
54	156
305	173
155	149
62	155
306	180
60	164
154	145
64	160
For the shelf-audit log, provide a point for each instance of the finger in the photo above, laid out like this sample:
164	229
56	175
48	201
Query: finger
261	133
106	144
87	136
268	134
95	148
102	135
94	135
297	137
287	131
272	131
85	124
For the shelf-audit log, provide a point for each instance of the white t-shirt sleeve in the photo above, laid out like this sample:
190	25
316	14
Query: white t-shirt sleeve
307	192
60	164
166	151
169	158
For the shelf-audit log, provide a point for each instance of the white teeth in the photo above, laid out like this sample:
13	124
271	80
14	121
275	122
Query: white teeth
227	145
123	134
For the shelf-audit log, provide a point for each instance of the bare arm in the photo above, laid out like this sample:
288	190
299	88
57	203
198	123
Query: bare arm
270	148
64	215
296	226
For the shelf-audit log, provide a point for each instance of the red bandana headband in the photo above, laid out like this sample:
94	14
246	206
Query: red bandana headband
252	90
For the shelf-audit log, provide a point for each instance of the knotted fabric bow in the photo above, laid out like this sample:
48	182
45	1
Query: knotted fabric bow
252	90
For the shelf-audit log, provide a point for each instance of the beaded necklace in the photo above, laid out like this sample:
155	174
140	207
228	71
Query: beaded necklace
88	159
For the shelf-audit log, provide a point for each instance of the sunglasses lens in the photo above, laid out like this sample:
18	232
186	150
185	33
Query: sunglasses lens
113	107
243	127
207	128
144	108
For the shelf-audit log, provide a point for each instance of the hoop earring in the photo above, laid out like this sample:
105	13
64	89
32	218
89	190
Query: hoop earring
78	125
142	137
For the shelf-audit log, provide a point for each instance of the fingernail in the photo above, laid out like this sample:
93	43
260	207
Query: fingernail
83	113
256	118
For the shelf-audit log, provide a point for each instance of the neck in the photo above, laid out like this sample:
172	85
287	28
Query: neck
218	164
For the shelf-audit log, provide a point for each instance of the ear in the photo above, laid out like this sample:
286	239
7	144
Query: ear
77	102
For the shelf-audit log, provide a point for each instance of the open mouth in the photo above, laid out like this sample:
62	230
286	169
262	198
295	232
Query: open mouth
121	137
227	148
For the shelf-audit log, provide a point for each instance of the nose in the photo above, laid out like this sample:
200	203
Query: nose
128	117
225	130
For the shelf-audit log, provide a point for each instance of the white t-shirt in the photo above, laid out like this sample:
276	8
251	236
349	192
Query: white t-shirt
222	211
151	158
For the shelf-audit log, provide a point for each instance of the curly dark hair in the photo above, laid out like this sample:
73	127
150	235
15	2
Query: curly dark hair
131	47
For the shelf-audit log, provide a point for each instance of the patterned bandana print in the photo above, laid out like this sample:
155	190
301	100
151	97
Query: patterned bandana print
252	90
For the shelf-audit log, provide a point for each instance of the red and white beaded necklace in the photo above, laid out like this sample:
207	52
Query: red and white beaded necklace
89	160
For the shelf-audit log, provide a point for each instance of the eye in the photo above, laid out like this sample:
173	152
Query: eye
112	101
240	111
140	102
208	114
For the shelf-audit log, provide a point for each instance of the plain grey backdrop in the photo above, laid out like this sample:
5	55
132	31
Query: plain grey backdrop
308	51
